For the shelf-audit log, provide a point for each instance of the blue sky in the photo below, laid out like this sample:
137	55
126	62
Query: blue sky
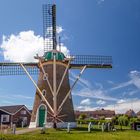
96	27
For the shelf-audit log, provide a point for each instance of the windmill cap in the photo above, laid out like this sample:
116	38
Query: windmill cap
58	55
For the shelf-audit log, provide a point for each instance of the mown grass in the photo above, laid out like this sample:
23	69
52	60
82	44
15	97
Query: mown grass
76	134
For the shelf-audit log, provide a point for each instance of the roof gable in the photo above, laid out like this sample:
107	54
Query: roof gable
11	109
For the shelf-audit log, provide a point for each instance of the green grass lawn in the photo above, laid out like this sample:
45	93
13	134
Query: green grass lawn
76	134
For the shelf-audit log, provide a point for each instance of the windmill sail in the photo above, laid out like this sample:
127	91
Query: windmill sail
49	27
91	61
15	69
53	90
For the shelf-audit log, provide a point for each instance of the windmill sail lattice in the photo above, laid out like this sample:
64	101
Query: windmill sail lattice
78	61
49	27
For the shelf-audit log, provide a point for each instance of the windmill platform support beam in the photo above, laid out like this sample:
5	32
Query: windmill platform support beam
69	92
40	93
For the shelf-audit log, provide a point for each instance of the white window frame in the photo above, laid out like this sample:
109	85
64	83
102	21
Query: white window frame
7	118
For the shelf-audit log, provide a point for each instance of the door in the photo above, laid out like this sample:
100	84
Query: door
41	116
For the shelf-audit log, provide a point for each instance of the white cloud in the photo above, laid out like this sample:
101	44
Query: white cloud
64	49
121	101
11	99
22	96
124	106
94	93
86	102
85	108
130	93
100	102
15	96
83	82
119	107
134	80
110	82
5	102
88	91
23	46
122	85
59	29
100	1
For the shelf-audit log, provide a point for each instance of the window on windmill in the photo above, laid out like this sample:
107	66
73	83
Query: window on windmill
45	76
5	118
44	92
23	112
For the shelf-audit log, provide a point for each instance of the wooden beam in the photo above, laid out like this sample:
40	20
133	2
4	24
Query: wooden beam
67	95
39	91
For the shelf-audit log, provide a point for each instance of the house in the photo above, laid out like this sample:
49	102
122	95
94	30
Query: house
103	113
97	114
130	113
15	114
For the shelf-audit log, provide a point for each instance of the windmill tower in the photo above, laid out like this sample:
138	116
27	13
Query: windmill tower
53	105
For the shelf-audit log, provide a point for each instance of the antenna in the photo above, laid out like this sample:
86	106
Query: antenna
54	26
49	27
59	43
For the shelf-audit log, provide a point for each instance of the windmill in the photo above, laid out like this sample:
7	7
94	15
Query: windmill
53	105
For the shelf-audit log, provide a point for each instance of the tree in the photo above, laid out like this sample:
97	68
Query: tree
114	120
123	121
82	116
102	118
132	120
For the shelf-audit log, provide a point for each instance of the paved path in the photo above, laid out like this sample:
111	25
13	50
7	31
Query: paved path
27	130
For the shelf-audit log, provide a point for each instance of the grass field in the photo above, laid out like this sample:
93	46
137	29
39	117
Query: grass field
76	134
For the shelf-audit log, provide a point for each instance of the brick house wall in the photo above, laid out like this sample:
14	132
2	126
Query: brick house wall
19	117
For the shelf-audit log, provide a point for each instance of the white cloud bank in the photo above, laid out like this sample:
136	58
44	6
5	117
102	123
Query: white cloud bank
23	46
123	106
120	108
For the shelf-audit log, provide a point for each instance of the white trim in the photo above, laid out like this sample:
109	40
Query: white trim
6	112
17	110
32	125
62	125
7	118
59	125
22	108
